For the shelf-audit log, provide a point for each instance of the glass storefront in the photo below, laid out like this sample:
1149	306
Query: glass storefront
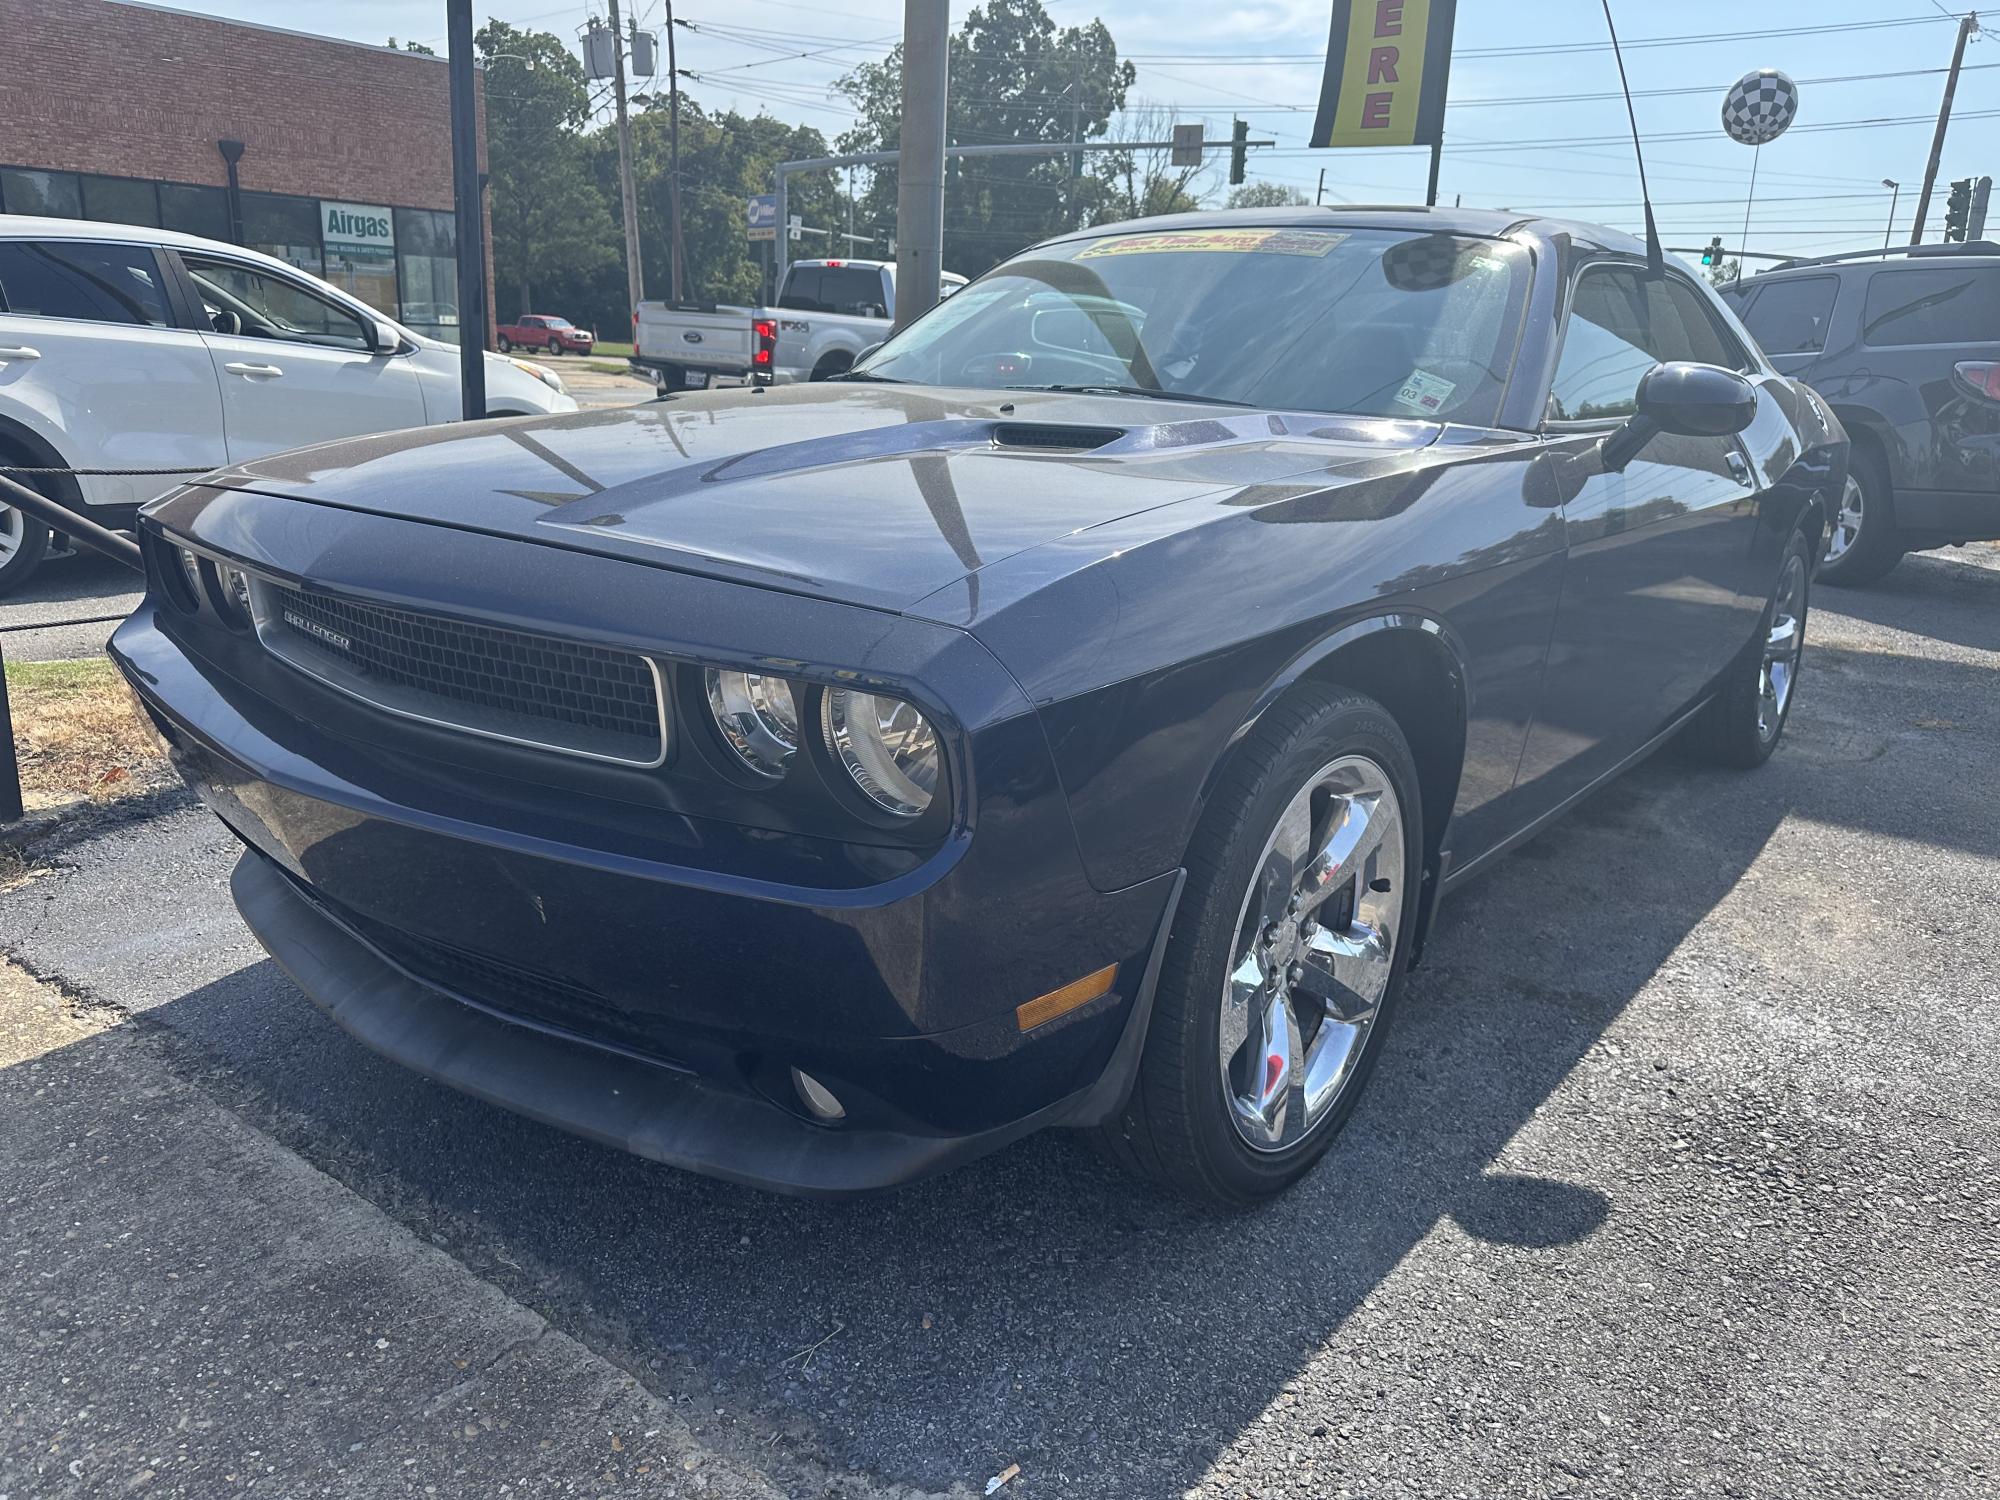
400	261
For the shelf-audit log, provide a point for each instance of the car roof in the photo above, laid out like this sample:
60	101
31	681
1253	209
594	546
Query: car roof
32	227
1482	223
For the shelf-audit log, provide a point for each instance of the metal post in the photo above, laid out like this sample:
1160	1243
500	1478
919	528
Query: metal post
920	172
1319	193
232	153
1437	160
635	280
677	268
1967	24
781	244
1890	227
10	766
470	225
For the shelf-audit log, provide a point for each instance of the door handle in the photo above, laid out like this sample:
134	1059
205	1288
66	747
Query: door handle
254	371
1740	467
18	351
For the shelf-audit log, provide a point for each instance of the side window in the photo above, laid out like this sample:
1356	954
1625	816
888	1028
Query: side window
851	288
84	279
257	304
531	322
802	291
1709	341
1955	306
1791	317
1621	324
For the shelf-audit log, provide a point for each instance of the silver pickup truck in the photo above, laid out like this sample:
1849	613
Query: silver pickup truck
828	312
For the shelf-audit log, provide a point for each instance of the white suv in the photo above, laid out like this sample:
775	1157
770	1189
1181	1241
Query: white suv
131	348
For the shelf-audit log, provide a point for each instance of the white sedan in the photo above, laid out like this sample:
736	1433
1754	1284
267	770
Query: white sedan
124	347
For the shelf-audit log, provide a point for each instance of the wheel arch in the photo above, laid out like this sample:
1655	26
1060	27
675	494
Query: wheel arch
1413	664
19	440
832	362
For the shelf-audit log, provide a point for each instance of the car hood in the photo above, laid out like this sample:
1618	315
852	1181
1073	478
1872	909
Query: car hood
870	494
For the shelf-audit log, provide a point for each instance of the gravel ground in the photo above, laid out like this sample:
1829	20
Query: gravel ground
1679	1177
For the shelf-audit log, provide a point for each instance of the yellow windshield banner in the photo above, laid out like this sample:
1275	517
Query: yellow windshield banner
1387	63
1311	242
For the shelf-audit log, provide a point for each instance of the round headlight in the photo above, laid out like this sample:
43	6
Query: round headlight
758	717
190	569
235	593
889	749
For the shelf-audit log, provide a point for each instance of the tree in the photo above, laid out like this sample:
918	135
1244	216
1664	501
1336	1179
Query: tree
1266	195
553	230
1724	272
1143	181
417	47
1015	77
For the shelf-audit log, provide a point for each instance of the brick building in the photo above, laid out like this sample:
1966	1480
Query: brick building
343	150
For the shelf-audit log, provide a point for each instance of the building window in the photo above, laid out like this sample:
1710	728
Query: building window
120	200
285	227
52	194
427	267
195	210
360	244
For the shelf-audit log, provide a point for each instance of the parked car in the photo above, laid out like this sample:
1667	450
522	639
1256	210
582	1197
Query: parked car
1053	723
1905	346
541	331
829	312
123	347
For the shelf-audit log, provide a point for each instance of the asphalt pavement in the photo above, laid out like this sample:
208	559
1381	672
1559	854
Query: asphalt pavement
1678	1178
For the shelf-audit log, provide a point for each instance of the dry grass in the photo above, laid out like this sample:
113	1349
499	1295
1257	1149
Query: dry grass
78	733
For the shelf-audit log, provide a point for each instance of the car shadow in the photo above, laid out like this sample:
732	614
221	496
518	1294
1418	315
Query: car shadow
1040	1307
1944	594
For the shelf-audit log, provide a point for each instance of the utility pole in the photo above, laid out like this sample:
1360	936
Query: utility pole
677	269
920	167
635	280
1319	193
469	217
1968	23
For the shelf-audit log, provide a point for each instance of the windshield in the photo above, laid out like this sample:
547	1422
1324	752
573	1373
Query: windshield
557	323
1372	322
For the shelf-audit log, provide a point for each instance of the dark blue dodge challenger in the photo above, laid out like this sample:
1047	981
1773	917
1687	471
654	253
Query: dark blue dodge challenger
1072	716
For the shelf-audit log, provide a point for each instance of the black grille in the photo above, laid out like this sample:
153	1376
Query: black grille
529	677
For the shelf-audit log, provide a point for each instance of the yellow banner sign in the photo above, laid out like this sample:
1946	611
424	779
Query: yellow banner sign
1387	63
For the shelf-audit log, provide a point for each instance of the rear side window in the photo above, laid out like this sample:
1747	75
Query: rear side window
87	280
1946	305
832	289
1791	317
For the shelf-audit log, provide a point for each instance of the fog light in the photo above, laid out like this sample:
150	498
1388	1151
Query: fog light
817	1097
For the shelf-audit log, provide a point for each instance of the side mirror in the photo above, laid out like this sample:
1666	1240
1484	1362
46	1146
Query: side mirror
226	322
382	339
1687	399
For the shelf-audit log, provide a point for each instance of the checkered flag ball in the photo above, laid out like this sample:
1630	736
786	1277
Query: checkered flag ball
1759	107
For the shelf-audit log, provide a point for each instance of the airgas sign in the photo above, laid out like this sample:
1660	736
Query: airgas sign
357	231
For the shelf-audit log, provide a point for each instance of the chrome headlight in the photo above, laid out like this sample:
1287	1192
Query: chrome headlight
235	591
758	717
190	569
886	746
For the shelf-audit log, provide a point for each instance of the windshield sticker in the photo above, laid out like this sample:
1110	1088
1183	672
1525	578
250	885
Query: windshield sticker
1308	242
1425	392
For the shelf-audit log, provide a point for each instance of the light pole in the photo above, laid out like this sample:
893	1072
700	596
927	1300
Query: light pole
1897	192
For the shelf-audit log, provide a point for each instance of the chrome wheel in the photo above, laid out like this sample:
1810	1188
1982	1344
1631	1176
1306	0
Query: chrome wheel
1784	642
13	533
1847	525
1315	947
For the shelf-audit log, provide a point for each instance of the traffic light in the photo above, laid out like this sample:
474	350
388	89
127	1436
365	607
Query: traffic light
1239	149
1975	223
1712	256
1958	209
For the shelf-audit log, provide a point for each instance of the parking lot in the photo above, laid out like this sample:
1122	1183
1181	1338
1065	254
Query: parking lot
1679	1178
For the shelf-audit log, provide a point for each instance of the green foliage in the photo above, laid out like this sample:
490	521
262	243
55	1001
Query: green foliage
1266	195
553	230
1015	77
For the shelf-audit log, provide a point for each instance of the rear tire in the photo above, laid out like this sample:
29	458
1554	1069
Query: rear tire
1862	543
1746	718
1323	766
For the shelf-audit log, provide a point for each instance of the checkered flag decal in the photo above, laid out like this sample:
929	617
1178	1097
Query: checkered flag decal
1426	264
1759	107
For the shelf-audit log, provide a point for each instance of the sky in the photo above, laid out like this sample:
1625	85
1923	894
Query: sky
1527	126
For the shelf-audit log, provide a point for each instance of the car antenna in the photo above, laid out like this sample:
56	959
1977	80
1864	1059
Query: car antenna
1656	260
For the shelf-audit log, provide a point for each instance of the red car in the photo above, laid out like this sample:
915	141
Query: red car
539	331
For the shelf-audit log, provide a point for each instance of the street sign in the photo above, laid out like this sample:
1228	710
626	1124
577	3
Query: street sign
1187	145
796	226
762	216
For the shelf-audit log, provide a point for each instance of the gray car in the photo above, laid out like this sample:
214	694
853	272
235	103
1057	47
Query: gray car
1905	347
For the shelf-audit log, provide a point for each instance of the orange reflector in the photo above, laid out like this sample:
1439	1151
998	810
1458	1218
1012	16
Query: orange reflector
1061	1002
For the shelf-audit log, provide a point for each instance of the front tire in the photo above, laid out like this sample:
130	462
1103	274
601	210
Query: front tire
1744	721
1286	957
1862	544
23	542
555	348
506	345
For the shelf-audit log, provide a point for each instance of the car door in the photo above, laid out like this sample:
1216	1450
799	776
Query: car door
1659	555
91	362
294	363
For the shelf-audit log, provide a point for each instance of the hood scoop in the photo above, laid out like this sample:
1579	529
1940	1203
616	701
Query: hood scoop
1054	436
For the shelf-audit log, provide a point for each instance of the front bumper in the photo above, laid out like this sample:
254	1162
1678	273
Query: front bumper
609	919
